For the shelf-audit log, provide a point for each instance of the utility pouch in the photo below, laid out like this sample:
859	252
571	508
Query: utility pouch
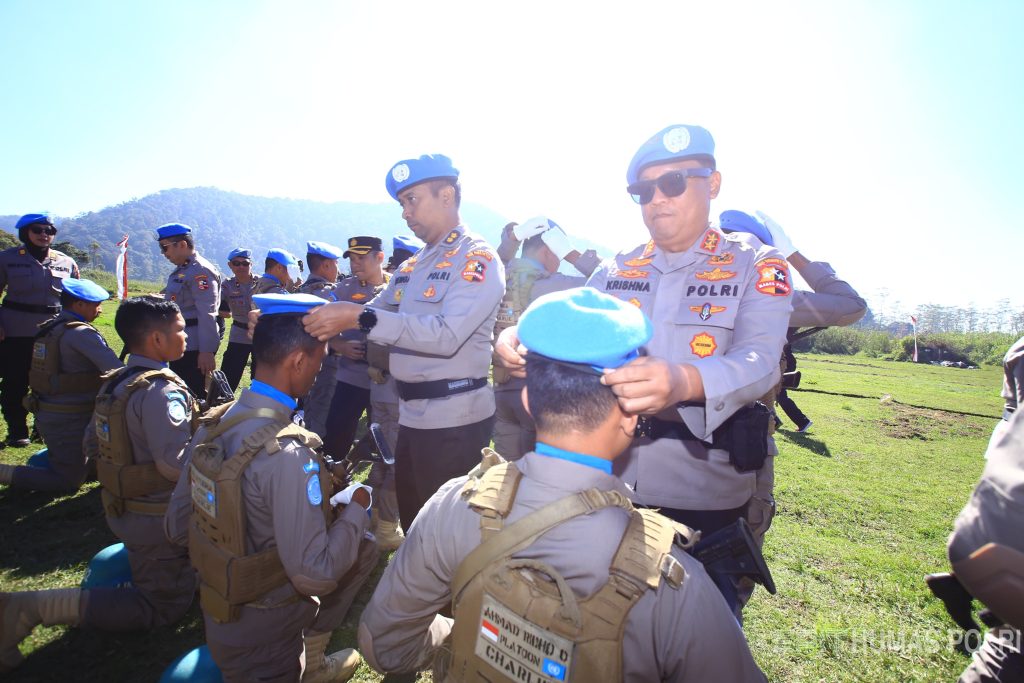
745	437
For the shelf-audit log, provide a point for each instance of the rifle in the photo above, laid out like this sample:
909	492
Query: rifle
960	607
371	448
218	391
732	551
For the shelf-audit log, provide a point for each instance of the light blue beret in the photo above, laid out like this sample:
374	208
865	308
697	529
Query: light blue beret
283	257
86	290
671	144
739	221
278	304
406	242
409	172
195	666
172	230
584	326
109	568
30	218
239	251
323	249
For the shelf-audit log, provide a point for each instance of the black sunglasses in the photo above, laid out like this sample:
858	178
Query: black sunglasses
165	247
41	229
239	264
671	184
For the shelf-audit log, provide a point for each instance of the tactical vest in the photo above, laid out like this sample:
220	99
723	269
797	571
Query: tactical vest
230	576
44	375
122	478
519	280
518	619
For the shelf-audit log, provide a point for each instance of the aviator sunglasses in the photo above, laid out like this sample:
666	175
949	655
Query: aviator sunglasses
168	245
41	229
239	264
671	184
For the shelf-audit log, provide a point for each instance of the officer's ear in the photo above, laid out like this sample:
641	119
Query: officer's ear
716	184
525	397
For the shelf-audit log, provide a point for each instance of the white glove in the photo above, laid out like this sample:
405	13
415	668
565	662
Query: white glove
779	236
557	241
531	227
345	497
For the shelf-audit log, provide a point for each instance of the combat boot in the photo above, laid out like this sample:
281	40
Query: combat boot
389	535
22	612
334	668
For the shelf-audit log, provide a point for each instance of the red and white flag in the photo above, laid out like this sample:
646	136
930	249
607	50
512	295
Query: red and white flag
913	321
121	268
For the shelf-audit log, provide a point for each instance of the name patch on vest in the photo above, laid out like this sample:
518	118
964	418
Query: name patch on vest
204	493
520	649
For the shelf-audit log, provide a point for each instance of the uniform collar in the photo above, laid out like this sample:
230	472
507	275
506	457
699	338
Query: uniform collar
566	475
272	277
251	399
135	360
449	238
711	242
71	315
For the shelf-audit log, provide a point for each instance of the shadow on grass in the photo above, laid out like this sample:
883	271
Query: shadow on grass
807	441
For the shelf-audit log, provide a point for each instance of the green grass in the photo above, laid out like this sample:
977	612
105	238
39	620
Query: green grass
866	501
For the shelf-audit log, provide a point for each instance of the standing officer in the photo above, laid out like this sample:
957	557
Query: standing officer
402	249
67	360
277	273
633	605
235	303
437	315
143	421
545	246
351	395
195	286
322	259
31	274
274	556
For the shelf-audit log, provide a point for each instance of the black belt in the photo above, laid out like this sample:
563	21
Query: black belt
241	326
655	428
191	322
30	308
413	391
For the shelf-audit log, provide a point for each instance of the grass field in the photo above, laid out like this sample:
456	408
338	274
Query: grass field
866	501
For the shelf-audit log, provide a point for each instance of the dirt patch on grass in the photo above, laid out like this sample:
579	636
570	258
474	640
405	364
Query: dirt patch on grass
906	422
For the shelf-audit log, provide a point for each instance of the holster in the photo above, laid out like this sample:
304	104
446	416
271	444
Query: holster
745	437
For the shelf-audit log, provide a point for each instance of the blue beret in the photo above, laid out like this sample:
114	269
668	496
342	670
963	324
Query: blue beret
410	172
584	326
172	230
278	304
671	144
283	257
109	568
86	290
195	666
239	251
30	218
738	221
323	249
406	242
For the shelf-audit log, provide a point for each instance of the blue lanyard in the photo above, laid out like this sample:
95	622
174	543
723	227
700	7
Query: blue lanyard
270	392
579	458
76	316
272	277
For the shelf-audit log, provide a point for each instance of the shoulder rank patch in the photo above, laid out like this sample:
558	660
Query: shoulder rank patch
716	275
773	277
474	271
358	296
703	345
638	262
648	249
707	310
443	264
409	263
725	259
313	493
711	240
452	236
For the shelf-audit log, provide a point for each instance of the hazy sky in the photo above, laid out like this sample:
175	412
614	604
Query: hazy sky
884	136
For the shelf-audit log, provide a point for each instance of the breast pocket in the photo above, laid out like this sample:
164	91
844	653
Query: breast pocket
173	290
704	326
433	291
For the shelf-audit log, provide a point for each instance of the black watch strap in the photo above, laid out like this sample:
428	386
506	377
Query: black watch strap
367	319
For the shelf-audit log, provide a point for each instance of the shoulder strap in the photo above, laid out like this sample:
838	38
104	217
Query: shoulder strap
523	532
645	552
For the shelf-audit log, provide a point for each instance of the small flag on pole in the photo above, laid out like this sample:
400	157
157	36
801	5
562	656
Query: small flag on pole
913	321
121	268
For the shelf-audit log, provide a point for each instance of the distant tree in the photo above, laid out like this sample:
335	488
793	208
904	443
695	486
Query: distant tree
81	258
7	240
94	248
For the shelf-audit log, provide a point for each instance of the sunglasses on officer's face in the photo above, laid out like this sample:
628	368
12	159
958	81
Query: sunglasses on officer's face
671	184
41	229
239	264
168	245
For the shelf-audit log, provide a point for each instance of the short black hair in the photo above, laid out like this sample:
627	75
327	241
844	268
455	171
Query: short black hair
137	317
270	263
314	261
439	184
276	336
562	399
532	244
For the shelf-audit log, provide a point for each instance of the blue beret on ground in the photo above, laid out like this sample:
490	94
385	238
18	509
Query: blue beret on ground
406	242
283	257
409	172
278	304
40	458
671	144
238	251
109	568
86	290
323	249
584	326
739	221
195	666
172	230
30	218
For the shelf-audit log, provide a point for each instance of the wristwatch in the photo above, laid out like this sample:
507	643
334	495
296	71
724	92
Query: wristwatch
367	319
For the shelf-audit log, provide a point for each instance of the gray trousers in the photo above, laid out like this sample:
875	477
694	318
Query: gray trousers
63	433
514	431
382	477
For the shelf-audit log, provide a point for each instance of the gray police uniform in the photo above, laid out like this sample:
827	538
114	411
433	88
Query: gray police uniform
62	418
195	287
159	422
1013	386
317	403
32	297
268	284
437	315
722	306
384	411
672	634
332	562
236	297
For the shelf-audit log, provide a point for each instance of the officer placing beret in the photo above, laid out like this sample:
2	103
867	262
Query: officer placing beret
235	303
558	512
31	276
194	285
437	315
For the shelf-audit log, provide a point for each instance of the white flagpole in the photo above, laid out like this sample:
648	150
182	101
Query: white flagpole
121	269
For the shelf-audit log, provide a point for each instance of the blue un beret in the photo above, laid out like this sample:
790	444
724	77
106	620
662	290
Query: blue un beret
86	290
109	568
239	251
738	221
323	249
584	326
409	172
31	218
283	257
278	304
406	242
172	230
672	144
